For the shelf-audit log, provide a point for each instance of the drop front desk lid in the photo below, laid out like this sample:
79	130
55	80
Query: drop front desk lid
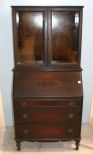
47	84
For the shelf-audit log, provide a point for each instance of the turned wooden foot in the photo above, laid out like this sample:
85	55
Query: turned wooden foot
77	144
18	145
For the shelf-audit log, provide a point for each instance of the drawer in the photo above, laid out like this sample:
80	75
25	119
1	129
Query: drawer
48	114
24	103
48	131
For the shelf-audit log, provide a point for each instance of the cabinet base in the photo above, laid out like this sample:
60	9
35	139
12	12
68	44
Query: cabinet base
77	144
18	144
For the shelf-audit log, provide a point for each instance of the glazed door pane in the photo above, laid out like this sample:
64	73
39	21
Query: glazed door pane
64	37
30	32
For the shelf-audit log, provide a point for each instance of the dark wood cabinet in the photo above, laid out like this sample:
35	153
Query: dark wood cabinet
47	84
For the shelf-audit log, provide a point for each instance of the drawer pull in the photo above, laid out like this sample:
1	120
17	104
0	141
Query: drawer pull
70	131
25	131
24	104
72	103
71	115
25	116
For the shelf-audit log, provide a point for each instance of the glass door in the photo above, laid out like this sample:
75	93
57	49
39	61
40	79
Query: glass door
30	32
64	37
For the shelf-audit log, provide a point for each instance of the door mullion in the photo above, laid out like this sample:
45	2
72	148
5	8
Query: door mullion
49	34
45	38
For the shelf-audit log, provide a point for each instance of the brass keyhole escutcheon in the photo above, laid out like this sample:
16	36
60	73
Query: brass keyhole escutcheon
70	131
71	115
25	116
25	131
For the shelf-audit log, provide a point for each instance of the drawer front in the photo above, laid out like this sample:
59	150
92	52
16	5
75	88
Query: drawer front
48	114
45	131
34	103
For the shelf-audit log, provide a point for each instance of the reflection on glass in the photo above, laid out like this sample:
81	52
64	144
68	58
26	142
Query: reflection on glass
55	22
30	37
76	19
17	18
65	35
38	21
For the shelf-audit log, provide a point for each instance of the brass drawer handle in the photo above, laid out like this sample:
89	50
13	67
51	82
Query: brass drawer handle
24	104
72	103
70	131
71	115
25	116
25	131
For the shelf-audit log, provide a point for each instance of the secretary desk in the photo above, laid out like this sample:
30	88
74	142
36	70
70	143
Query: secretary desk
47	76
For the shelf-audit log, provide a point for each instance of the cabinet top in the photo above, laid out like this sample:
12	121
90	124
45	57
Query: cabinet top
20	6
47	6
47	36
